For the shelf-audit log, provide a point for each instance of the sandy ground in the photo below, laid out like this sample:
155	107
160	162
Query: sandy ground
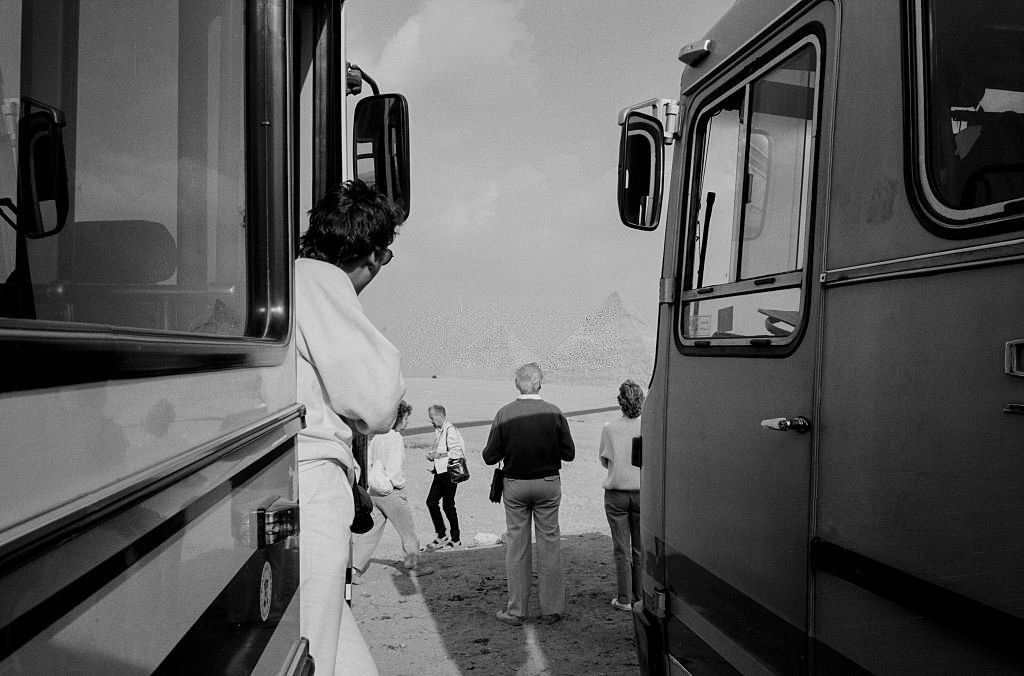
444	623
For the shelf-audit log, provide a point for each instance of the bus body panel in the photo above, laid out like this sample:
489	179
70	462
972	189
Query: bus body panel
171	578
119	429
920	466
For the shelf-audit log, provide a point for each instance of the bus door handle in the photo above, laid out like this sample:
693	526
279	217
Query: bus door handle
798	424
1014	365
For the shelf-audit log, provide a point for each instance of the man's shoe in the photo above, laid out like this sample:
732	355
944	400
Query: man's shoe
508	618
550	619
419	571
618	605
435	544
453	544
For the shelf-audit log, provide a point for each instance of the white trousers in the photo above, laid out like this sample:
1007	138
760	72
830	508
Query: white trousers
326	510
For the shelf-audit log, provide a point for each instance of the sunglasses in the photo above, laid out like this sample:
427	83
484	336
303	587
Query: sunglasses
386	257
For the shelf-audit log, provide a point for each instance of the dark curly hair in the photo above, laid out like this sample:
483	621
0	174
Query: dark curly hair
350	221
404	411
631	399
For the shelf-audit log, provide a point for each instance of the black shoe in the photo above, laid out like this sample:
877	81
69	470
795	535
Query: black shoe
549	619
440	542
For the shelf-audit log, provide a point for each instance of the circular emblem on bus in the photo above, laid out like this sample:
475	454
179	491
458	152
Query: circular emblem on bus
266	591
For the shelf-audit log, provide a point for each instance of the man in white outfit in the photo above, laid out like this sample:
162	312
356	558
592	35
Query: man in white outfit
349	379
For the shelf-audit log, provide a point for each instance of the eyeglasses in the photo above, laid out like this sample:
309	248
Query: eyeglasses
386	257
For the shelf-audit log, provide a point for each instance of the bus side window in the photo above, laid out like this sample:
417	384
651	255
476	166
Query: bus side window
750	212
151	180
969	118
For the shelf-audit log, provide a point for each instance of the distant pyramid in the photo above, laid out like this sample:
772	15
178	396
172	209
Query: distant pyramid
612	344
494	356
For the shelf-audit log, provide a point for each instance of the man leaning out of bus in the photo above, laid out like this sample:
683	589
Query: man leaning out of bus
349	379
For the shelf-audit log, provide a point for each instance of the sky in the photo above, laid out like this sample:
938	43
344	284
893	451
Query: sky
514	145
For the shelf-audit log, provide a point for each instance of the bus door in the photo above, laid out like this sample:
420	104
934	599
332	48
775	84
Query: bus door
741	382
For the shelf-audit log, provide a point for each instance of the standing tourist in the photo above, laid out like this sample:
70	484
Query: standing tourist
349	380
622	492
448	445
532	437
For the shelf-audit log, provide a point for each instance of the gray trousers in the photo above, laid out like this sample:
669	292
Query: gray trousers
535	500
623	511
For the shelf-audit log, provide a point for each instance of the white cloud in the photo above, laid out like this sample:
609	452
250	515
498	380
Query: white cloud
452	45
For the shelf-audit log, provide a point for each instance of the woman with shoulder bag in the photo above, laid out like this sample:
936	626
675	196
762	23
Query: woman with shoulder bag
622	493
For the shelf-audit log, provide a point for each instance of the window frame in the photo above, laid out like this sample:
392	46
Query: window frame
50	354
745	75
937	217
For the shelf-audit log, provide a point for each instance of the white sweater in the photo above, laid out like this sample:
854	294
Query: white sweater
616	451
349	374
388	449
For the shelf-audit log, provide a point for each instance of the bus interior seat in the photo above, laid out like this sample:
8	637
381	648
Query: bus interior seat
110	272
993	169
119	252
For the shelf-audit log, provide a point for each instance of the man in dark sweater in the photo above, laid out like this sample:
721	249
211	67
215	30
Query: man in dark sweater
532	438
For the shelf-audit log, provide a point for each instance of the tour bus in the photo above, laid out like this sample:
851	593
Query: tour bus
832	451
156	162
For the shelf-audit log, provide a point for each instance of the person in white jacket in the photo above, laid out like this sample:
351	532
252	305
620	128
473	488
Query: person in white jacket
448	445
350	380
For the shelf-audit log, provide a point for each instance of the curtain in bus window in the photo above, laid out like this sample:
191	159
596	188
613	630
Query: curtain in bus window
781	112
152	96
974	98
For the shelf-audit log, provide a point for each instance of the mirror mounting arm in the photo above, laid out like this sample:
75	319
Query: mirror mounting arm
356	76
665	111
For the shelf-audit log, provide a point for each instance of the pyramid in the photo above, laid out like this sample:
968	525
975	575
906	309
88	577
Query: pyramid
494	356
611	345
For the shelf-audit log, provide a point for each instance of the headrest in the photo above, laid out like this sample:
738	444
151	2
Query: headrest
120	252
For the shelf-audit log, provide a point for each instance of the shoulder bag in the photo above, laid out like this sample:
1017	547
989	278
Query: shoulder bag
497	484
458	470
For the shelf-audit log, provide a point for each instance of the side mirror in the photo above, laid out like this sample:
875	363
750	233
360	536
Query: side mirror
641	155
42	173
380	145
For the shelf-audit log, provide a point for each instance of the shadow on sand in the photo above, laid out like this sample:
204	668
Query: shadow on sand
444	623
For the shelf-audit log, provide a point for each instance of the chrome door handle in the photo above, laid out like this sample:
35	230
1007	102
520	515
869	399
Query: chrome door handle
1014	365
798	424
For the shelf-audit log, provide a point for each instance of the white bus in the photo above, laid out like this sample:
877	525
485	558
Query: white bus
156	161
832	451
